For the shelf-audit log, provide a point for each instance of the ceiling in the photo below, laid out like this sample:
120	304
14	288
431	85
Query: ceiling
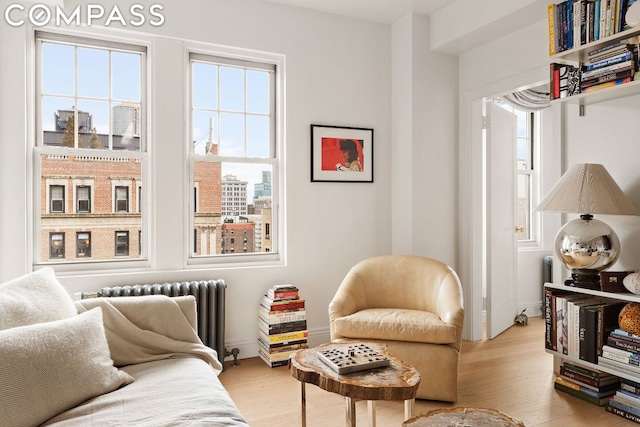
381	11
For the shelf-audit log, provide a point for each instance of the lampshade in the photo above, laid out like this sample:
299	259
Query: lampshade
587	246
587	188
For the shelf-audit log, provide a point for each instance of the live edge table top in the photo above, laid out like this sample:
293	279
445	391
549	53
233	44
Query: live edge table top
398	381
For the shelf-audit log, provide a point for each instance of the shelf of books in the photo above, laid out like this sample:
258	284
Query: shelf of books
598	361
282	325
594	53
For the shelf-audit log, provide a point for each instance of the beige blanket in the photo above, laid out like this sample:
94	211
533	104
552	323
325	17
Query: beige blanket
147	328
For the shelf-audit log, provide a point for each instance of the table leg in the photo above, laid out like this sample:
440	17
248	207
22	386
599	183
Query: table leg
351	412
409	406
303	405
371	404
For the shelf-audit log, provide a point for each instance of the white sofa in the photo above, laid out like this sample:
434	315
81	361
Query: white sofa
130	361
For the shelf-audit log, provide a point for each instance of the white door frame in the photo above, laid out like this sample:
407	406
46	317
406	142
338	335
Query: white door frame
471	265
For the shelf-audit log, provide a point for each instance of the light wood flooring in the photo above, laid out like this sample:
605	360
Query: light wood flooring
511	373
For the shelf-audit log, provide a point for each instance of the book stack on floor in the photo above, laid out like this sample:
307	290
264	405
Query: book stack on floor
612	65
587	384
282	324
626	401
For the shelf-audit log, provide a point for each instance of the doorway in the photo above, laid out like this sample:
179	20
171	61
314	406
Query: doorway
478	267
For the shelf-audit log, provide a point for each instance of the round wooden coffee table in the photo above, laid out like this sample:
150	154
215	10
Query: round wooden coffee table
398	381
476	417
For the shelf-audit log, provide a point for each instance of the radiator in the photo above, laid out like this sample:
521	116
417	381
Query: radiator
210	303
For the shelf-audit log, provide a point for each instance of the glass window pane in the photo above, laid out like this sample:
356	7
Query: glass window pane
258	136
54	112
523	208
522	151
126	77
205	85
204	131
93	73
523	128
257	92
126	119
231	89
58	69
231	135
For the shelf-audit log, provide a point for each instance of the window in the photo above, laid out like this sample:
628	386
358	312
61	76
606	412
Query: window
90	123
122	243
234	147
122	199
56	245
56	198
83	199
83	245
527	171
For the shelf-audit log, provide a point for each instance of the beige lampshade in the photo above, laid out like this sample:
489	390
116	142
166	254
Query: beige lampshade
587	189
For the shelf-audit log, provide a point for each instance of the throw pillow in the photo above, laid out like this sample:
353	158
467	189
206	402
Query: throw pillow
48	368
34	298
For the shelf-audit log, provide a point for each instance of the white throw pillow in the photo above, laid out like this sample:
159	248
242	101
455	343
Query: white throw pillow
34	298
50	367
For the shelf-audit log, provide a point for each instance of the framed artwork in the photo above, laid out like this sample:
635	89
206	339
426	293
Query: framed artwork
341	154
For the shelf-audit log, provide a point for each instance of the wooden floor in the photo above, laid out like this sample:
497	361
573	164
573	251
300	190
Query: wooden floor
511	373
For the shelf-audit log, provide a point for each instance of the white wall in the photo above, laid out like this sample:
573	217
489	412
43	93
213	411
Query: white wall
337	73
424	155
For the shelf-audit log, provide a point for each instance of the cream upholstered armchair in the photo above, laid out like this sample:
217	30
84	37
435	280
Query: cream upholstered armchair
411	304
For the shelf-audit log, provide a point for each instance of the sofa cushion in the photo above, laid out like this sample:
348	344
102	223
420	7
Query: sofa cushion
396	324
34	298
48	368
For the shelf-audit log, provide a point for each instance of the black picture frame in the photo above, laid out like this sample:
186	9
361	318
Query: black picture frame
341	154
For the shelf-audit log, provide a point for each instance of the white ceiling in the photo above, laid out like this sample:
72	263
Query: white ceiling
382	11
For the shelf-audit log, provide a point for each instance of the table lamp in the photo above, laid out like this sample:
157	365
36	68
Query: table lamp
585	245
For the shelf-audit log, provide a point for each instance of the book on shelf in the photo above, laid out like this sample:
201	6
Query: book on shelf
623	56
619	366
281	316
281	328
628	398
630	386
586	371
622	413
272	305
607	77
580	394
289	337
586	381
621	66
624	407
282	292
273	363
619	332
609	391
620	355
564	80
273	357
266	348
607	84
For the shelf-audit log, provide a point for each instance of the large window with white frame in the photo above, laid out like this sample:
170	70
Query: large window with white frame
90	128
234	157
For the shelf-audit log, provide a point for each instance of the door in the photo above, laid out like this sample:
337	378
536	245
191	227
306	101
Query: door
501	273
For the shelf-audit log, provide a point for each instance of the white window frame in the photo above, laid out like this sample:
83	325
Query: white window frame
228	55
106	40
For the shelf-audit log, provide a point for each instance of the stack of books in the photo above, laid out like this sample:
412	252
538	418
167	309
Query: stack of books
621	352
587	384
282	324
609	66
626	401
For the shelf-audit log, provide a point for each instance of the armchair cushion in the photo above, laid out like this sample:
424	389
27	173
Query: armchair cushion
396	324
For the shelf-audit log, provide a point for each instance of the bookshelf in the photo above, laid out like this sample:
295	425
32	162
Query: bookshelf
623	297
579	54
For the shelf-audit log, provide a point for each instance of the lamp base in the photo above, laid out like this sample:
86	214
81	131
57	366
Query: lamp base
585	279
